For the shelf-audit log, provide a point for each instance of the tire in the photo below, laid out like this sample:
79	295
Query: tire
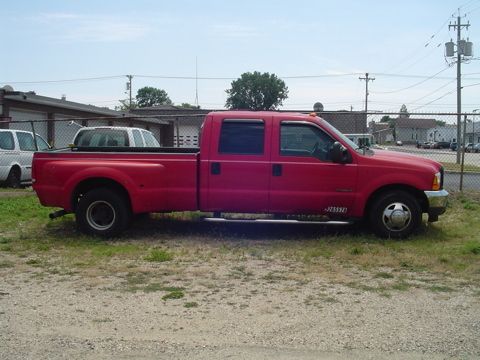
395	214
13	179
102	212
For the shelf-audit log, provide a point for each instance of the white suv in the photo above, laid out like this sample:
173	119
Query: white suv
113	136
16	153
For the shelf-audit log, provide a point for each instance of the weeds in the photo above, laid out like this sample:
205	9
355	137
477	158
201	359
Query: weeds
159	255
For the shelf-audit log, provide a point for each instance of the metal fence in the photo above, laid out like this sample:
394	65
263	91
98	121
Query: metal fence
449	138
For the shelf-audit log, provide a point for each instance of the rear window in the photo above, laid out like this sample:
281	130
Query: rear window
242	137
137	137
150	140
25	141
101	138
6	141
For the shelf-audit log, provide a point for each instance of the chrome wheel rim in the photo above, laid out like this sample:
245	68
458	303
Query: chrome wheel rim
100	215
397	216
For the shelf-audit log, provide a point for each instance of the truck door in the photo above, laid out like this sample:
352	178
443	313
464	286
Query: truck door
304	180
238	165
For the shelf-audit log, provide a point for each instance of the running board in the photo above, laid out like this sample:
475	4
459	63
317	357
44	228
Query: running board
275	221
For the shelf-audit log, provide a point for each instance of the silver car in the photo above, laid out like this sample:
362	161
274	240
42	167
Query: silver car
16	153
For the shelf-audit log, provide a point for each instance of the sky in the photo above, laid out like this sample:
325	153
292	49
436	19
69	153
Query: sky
319	48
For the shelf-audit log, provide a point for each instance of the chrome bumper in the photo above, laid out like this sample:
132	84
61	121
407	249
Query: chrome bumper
437	203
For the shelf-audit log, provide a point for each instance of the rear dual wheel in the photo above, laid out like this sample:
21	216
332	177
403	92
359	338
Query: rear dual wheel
103	212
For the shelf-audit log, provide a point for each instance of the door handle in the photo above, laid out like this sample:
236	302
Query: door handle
277	169
215	169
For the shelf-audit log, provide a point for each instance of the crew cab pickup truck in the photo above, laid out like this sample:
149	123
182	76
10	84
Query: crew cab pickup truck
248	162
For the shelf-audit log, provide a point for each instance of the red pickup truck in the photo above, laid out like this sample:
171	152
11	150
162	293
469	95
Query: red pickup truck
248	162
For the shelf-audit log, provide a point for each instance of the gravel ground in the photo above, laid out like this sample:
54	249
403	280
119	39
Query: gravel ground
255	309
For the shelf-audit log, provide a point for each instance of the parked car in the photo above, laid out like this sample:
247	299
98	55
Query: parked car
114	136
453	146
469	147
441	145
16	153
427	145
399	143
476	148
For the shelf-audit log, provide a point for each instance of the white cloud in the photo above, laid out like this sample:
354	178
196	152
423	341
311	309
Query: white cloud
235	31
93	28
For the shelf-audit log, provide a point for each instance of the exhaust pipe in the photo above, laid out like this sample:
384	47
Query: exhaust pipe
57	214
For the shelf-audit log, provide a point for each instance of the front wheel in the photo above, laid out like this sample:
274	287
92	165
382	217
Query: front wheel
395	214
102	212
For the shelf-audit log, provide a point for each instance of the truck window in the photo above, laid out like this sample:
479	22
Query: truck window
150	140
305	140
6	141
25	141
101	137
137	138
42	144
242	137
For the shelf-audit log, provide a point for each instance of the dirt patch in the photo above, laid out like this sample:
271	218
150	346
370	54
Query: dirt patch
234	306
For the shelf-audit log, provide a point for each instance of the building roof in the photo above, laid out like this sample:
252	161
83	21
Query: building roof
415	123
32	98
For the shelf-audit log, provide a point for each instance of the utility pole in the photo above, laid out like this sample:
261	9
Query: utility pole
367	79
129	89
464	48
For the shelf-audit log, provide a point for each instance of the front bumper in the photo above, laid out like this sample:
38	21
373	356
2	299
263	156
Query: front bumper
437	203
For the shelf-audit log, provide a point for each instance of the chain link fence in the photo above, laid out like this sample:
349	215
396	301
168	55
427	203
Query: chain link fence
449	138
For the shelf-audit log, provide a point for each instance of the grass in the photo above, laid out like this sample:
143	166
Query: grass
159	255
163	246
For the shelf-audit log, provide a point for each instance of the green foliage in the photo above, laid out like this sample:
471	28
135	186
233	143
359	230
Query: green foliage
159	255
256	91
188	106
174	294
150	96
190	305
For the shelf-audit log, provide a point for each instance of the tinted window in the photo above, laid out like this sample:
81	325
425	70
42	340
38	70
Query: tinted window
6	141
42	144
25	141
305	140
137	137
242	137
102	137
150	140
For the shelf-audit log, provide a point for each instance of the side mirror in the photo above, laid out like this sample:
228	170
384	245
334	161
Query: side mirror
340	154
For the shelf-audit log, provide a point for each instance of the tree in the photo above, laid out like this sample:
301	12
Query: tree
256	91
188	106
125	105
440	123
404	112
150	96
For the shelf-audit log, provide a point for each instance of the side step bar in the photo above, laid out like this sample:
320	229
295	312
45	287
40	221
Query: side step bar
274	221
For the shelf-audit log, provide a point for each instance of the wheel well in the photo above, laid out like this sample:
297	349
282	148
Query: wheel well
95	183
417	194
16	168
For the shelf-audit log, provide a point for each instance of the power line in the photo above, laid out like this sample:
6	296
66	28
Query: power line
413	85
